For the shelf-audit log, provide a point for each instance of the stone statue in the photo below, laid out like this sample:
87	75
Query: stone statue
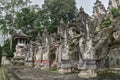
38	57
64	50
86	50
19	51
45	60
29	55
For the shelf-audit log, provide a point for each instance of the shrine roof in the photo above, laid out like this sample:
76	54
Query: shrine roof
21	35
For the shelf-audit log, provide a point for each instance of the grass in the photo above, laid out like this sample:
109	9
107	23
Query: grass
3	74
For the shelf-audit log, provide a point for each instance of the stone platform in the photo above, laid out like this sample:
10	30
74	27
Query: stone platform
28	73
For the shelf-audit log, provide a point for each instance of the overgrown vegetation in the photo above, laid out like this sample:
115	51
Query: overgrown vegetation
6	49
3	74
115	12
106	23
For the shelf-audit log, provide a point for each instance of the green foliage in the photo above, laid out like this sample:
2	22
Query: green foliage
7	19
56	9
25	20
31	19
106	22
3	74
6	48
72	44
115	12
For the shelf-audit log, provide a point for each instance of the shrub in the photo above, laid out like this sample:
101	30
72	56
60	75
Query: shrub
115	12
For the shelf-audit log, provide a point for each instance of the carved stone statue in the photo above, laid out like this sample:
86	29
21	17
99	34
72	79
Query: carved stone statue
45	60
38	51
86	50
38	57
64	50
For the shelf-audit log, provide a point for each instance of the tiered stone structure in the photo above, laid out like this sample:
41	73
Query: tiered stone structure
114	3
99	14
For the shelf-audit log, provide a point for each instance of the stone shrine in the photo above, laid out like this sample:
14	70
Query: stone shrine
22	40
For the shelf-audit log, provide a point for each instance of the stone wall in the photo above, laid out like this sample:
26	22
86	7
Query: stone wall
112	60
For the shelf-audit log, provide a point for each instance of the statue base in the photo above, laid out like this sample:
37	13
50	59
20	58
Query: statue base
29	64
87	74
64	70
45	65
18	61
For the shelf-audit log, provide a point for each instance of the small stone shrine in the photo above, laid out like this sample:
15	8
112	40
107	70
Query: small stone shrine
22	40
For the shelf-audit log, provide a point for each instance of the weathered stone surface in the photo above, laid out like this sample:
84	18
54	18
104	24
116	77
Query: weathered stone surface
116	35
27	73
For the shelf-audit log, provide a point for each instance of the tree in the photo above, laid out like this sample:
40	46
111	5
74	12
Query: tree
6	48
56	9
26	20
8	9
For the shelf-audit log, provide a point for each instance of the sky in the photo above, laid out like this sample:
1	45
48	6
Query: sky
86	4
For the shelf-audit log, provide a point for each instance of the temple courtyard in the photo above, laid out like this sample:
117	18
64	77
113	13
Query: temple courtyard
28	73
85	48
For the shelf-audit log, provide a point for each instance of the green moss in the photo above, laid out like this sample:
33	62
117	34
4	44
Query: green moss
107	71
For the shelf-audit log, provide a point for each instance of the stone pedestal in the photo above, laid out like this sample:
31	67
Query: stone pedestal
88	68
87	74
18	61
65	67
45	64
29	63
64	70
